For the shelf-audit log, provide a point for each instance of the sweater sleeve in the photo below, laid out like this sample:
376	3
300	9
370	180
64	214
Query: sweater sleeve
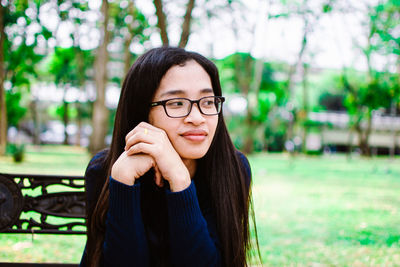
193	242
125	238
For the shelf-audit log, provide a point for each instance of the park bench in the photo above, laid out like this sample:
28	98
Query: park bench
27	202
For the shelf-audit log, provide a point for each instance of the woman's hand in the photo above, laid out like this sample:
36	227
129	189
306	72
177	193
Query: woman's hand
127	169
146	141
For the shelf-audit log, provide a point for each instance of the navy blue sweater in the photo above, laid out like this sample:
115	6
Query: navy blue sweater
193	239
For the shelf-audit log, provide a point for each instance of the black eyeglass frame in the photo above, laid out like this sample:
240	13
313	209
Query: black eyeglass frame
163	102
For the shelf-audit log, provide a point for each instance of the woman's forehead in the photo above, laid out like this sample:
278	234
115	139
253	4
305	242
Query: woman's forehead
188	79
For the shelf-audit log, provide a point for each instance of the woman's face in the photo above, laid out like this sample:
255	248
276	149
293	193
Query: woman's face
192	135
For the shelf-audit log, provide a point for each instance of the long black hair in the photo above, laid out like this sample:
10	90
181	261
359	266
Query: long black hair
223	173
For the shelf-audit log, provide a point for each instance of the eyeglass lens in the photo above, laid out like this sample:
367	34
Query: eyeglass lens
180	107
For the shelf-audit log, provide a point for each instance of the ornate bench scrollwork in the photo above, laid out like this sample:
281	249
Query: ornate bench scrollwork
35	204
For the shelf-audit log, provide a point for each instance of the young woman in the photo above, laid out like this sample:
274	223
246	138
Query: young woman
171	190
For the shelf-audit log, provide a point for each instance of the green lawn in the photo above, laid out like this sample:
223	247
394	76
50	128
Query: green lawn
310	211
327	211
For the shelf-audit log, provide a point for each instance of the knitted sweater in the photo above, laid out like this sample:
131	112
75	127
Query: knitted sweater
193	239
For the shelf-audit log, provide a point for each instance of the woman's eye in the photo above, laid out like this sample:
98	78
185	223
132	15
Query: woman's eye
209	103
174	104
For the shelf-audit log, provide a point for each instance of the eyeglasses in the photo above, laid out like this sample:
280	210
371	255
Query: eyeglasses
181	107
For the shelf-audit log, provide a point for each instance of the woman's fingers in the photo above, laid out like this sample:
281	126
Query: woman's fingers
139	148
142	149
143	127
127	168
153	141
138	137
148	135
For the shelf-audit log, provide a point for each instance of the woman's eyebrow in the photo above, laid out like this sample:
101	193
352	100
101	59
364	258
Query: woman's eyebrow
182	92
172	93
207	90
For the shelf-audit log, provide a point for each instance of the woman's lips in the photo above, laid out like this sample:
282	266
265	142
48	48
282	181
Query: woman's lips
195	135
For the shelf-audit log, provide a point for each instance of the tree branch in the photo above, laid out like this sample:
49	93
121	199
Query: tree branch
186	24
161	21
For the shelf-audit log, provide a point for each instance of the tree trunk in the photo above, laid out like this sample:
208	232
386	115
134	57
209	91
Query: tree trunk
393	111
292	71
243	75
363	137
350	143
79	123
3	107
128	40
248	146
127	53
65	119
305	108
186	24
81	81
100	112
35	118
364	148
392	148
161	21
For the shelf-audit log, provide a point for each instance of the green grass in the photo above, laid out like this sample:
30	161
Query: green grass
310	211
67	160
327	211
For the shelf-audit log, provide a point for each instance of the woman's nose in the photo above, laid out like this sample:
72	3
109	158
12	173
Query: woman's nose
195	115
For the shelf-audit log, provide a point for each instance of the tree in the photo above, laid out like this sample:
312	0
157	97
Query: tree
255	81
66	72
363	97
376	90
130	28
162	23
20	58
386	21
309	16
100	111
3	107
186	24
68	66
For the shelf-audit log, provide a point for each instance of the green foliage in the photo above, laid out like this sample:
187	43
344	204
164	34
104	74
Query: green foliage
385	20
83	110
237	74
57	111
15	110
325	91
68	66
20	57
272	84
63	66
275	131
21	63
326	8
17	151
364	96
127	22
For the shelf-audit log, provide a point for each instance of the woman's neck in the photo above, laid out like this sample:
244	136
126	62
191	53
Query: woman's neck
191	165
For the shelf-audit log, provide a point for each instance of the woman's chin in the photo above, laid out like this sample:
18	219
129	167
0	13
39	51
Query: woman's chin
192	155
